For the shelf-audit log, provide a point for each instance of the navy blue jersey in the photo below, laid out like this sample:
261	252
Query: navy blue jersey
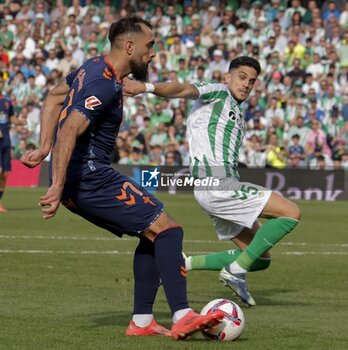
6	111
296	149
96	93
93	189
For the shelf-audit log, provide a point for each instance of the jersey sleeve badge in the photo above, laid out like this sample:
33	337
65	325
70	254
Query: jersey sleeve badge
92	102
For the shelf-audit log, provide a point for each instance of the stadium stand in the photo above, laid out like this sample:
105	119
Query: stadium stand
296	117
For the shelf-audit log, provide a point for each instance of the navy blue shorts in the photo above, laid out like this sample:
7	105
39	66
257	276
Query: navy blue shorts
112	201
5	157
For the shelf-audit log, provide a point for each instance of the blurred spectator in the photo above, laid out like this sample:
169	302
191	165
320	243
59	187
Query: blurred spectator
78	55
321	161
156	156
344	161
316	68
296	153
67	64
217	64
33	121
25	12
295	8
338	150
210	18
41	11
170	159
333	125
6	36
137	136
313	112
275	83
317	141
73	38
20	148
257	126
18	87
136	156
255	152
159	116
39	28
310	83
52	61
157	135
299	128
276	156
36	91
331	11
345	109
343	20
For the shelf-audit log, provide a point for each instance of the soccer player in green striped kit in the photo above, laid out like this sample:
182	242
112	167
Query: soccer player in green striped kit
215	130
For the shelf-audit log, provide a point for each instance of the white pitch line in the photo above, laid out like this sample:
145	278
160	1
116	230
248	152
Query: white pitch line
315	253
74	252
84	238
116	252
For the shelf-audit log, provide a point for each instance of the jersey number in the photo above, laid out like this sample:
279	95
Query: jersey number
244	191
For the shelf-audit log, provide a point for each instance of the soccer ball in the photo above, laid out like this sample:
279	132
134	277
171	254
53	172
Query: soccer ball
232	324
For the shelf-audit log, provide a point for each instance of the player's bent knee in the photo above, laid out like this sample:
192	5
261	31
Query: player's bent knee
163	223
294	212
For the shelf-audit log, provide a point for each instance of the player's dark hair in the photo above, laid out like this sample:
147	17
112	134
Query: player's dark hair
245	61
125	25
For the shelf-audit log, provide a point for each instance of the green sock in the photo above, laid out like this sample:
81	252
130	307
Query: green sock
260	264
217	261
265	238
214	261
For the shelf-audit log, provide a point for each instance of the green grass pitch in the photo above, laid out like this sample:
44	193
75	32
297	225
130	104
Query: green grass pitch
66	284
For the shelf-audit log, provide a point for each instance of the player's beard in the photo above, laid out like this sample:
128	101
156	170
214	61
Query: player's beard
140	71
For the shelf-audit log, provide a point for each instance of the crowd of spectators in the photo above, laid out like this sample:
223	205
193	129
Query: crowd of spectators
297	115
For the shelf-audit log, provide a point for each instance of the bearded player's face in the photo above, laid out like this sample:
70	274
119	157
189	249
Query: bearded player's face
143	54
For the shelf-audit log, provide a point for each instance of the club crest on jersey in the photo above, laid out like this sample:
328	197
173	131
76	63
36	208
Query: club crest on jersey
232	115
92	102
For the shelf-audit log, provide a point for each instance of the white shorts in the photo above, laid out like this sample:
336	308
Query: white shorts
233	205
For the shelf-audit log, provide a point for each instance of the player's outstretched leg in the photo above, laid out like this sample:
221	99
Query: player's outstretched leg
217	261
146	283
285	216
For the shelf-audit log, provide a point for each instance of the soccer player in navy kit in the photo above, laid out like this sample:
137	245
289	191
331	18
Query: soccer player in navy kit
6	118
85	183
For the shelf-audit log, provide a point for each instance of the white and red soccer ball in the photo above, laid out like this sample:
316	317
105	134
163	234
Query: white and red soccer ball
232	324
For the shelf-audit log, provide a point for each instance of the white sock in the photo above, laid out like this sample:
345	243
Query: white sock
188	265
236	268
180	314
142	320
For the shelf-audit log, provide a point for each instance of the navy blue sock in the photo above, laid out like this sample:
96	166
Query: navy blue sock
171	266
146	277
1	193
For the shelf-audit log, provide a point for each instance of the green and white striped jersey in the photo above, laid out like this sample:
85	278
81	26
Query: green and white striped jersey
215	130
